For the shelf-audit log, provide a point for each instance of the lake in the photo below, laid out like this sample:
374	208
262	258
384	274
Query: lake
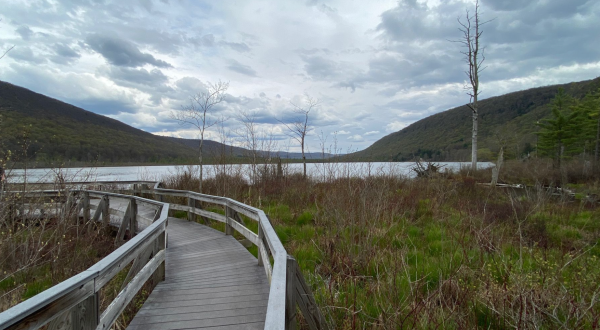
155	173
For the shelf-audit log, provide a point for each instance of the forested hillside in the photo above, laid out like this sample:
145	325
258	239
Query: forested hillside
509	120
47	130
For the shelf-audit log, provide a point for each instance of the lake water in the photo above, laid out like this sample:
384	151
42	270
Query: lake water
156	173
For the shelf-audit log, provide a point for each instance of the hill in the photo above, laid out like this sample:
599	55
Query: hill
55	131
446	136
216	148
49	131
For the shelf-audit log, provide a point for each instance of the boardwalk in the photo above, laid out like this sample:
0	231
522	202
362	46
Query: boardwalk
199	278
212	281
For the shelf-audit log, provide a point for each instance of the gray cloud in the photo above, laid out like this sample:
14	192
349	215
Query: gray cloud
411	21
241	68
207	40
376	69
237	46
153	82
25	32
25	54
121	52
105	107
320	67
63	54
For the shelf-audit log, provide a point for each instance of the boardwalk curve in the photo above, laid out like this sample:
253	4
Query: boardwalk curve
201	277
211	281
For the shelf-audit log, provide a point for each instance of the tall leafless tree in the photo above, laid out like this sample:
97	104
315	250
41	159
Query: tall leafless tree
199	114
301	126
260	143
249	138
474	55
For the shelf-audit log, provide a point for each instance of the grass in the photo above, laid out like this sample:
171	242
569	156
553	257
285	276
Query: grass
38	252
384	252
390	253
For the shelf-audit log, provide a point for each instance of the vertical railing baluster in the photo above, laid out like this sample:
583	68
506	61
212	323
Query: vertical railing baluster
86	207
261	235
228	219
192	205
133	217
290	294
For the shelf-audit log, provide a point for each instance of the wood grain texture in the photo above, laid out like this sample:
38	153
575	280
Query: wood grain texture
212	282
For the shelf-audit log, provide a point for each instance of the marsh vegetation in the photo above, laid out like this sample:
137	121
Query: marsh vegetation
387	252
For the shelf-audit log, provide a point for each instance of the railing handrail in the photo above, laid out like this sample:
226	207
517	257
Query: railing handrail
19	313
278	305
281	301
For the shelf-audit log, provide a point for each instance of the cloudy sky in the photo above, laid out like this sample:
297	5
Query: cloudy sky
375	66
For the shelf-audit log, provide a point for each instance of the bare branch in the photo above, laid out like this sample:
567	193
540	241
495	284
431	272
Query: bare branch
198	113
301	126
6	52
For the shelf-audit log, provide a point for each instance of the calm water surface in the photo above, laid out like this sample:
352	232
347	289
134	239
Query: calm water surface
156	173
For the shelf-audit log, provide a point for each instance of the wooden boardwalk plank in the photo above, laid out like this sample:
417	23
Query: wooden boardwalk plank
212	282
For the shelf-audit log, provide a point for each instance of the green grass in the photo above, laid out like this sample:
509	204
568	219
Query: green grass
388	253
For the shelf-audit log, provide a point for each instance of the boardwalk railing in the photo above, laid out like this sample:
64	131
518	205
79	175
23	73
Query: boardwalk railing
74	303
288	289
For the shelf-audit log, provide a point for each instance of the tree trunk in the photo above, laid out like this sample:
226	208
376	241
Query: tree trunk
303	158
201	169
474	140
496	169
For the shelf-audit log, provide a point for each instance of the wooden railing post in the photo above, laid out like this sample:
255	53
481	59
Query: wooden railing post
160	198
192	204
133	217
228	218
85	315
306	301
136	190
86	207
159	273
106	210
261	236
290	294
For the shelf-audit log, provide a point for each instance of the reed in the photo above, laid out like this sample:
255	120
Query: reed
388	252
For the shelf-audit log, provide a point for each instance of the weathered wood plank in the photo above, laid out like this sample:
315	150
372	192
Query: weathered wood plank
290	295
252	237
34	313
120	258
117	306
307	303
211	281
244	209
201	317
266	262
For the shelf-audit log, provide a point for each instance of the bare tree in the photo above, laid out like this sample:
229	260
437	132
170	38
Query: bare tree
474	56
301	126
249	137
199	114
8	50
260	143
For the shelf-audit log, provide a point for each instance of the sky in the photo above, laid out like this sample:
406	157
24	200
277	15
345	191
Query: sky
373	66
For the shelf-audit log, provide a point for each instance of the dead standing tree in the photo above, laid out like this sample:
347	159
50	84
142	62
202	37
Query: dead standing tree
199	114
301	127
474	56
